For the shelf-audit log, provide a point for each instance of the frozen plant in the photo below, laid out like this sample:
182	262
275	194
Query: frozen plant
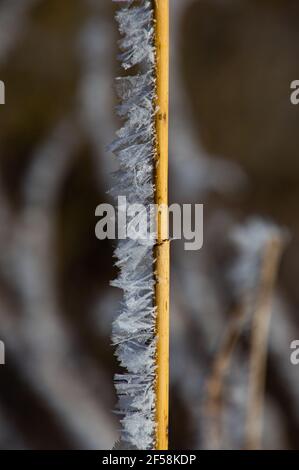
134	147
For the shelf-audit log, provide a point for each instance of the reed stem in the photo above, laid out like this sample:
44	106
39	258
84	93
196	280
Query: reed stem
162	245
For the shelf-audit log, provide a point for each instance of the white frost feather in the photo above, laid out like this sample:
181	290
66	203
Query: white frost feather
134	147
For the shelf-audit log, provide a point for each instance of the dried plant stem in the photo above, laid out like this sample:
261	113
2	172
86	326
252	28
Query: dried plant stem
219	370
259	341
162	246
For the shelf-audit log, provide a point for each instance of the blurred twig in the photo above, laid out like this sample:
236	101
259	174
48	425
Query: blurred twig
254	275
259	341
219	369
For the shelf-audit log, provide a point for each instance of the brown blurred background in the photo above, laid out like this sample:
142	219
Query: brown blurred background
233	147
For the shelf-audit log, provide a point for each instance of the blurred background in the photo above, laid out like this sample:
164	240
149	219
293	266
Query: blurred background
233	147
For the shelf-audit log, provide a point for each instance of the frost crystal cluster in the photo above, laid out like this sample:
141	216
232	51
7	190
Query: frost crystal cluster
251	240
133	330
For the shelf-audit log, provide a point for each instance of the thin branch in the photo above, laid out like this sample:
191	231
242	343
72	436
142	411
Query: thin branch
259	342
216	381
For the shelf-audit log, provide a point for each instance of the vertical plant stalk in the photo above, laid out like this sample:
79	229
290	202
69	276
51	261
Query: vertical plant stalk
214	402
161	11
259	341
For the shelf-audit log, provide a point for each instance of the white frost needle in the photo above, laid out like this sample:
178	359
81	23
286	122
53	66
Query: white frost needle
134	147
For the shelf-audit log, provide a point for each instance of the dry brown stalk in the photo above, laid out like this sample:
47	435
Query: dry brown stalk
259	343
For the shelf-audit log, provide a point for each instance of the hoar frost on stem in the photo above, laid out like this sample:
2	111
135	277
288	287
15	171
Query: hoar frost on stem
134	329
251	240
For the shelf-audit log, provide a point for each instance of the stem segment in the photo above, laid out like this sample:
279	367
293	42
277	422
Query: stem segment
162	246
259	343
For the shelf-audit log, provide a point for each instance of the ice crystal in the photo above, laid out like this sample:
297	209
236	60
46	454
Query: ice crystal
134	147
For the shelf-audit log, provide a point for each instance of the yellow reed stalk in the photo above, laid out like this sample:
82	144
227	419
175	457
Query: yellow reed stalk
162	246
